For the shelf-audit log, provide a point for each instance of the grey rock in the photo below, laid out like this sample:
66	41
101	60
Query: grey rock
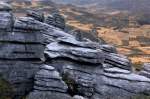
28	24
21	51
72	41
6	21
48	79
116	70
56	20
108	48
87	44
146	70
48	95
48	85
116	83
118	60
78	97
76	67
36	15
19	74
55	50
5	7
82	80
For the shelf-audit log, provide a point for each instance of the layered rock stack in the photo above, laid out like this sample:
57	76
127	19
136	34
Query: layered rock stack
93	73
146	70
21	48
75	69
48	83
56	20
36	15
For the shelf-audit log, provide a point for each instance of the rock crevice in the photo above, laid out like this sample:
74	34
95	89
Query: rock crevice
41	61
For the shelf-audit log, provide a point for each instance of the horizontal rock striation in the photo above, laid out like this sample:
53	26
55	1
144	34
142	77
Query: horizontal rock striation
48	79
115	83
146	70
36	15
49	84
56	20
75	69
21	50
95	71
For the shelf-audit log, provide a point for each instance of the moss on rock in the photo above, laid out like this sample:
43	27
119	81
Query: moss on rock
5	89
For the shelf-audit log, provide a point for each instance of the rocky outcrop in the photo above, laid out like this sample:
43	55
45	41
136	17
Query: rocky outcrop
5	7
146	70
36	15
56	20
21	49
118	61
49	84
75	69
115	83
93	73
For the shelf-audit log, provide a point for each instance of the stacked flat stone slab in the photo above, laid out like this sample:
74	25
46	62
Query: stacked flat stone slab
5	7
48	79
82	79
56	20
118	60
146	70
36	15
116	83
6	17
86	68
95	71
20	49
48	83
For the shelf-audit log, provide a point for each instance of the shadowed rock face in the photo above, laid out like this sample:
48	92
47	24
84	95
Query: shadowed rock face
36	15
56	20
21	48
146	70
70	69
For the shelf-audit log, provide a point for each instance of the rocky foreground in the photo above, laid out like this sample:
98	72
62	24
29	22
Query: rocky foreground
38	60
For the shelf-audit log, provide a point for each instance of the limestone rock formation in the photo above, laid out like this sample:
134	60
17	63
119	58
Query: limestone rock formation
93	73
146	70
21	49
56	20
36	15
5	7
68	68
49	85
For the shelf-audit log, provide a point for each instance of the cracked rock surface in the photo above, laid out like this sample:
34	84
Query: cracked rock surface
41	61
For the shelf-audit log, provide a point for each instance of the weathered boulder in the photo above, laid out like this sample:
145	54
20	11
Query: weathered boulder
78	97
116	83
88	44
6	17
48	79
56	20
48	95
49	85
21	51
36	15
80	79
79	68
92	71
108	48
118	60
57	50
146	70
5	7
